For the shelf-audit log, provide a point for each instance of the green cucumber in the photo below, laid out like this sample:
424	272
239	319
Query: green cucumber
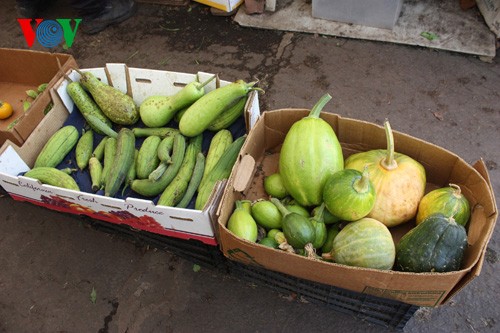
219	143
109	155
87	106
101	127
174	192
53	176
164	149
221	171
194	182
157	111
150	188
229	115
210	106
99	149
148	159
57	147
95	170
124	158
162	132
83	150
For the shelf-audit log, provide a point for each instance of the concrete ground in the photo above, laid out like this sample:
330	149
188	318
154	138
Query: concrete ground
51	262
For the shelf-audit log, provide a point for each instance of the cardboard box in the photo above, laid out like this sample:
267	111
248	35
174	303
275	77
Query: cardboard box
375	13
22	70
224	5
138	213
259	158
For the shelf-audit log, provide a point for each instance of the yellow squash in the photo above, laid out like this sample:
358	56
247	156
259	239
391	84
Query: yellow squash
398	179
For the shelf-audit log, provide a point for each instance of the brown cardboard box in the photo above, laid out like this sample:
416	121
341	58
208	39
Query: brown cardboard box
21	70
259	158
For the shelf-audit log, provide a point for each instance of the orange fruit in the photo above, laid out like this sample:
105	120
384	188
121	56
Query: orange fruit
5	110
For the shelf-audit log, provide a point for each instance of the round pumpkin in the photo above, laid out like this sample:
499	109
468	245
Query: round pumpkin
364	243
349	195
399	181
448	201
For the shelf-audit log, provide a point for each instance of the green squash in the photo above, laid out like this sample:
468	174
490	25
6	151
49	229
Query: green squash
242	224
273	185
448	201
364	243
293	206
436	245
349	194
331	232
266	214
328	218
310	154
399	181
269	242
297	229
318	223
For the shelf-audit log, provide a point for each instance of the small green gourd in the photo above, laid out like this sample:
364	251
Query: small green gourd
298	229
242	224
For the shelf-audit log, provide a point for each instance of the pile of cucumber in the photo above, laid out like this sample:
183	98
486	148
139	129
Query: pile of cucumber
138	150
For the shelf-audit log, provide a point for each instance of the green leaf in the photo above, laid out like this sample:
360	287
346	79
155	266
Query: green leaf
31	93
93	295
12	124
42	87
196	268
429	35
26	105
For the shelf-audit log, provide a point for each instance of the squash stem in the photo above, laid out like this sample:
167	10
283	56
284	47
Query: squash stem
311	252
319	215
247	205
239	205
316	110
207	82
280	206
457	192
388	162
362	184
251	87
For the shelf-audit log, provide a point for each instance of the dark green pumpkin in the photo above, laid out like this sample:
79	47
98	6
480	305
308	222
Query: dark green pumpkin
436	245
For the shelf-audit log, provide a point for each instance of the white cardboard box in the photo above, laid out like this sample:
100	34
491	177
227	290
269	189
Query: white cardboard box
138	213
225	5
